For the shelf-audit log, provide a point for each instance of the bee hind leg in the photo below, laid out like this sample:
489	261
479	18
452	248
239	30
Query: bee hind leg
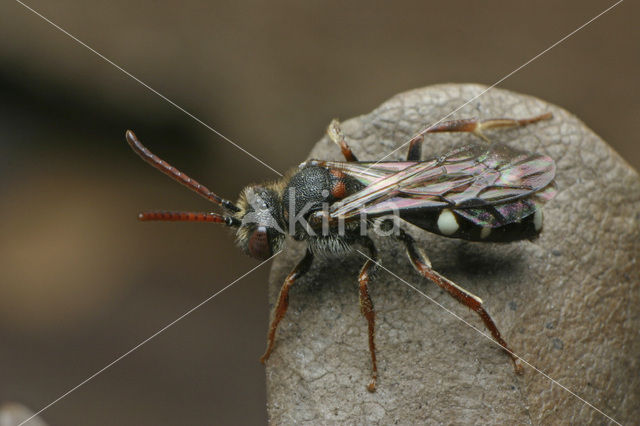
422	264
469	126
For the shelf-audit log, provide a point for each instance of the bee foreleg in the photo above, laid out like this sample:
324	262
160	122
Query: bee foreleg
283	301
366	305
335	134
422	264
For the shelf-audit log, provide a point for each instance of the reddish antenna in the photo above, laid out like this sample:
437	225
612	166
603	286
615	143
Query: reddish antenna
176	174
188	217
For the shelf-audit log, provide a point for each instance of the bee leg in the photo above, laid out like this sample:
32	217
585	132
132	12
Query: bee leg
366	306
283	301
335	134
422	264
470	126
415	148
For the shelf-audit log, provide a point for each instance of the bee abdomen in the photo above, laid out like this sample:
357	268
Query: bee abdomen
459	223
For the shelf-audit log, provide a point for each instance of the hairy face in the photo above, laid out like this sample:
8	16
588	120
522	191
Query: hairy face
261	233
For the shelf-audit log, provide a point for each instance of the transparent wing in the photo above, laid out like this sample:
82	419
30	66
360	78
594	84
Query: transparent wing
491	186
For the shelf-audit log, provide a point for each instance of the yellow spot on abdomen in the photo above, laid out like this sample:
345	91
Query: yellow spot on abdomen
447	222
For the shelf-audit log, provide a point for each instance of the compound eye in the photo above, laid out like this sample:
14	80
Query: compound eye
259	246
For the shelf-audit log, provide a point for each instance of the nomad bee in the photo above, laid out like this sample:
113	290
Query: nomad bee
480	192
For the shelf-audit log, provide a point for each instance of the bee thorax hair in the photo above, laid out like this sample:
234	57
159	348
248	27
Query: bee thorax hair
329	246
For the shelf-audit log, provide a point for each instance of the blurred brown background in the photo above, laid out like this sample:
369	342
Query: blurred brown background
82	281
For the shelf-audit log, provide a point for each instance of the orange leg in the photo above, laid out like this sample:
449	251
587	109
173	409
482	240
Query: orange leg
471	126
335	134
283	301
366	307
423	266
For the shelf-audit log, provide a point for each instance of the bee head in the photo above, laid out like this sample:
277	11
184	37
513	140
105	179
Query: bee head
257	216
260	233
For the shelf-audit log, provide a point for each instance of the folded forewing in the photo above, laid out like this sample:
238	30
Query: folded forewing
491	185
